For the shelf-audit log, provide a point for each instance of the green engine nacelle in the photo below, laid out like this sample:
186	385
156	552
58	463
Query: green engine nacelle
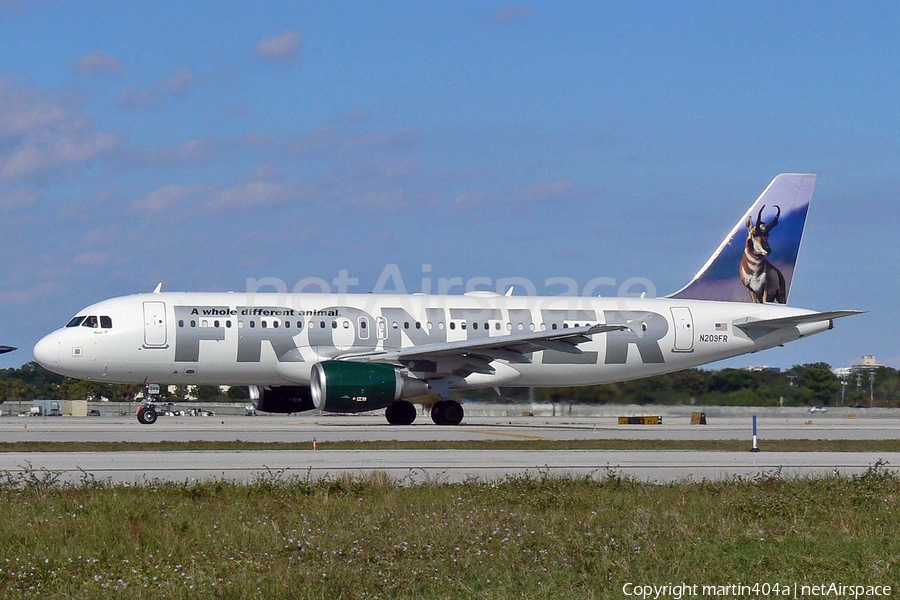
351	387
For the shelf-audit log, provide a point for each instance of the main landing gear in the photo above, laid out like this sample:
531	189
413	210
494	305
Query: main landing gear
444	412
447	412
400	413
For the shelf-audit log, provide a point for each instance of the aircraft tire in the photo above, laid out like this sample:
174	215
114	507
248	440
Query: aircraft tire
437	412
451	413
400	413
147	416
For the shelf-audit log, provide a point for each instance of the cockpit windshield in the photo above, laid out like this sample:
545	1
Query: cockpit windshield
92	321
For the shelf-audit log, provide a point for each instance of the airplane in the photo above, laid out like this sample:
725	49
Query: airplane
351	353
5	349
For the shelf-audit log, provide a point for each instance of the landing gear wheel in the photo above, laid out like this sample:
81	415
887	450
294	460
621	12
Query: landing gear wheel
400	413
447	412
146	415
437	412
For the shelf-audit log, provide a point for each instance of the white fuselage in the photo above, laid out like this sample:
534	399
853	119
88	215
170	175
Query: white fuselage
275	339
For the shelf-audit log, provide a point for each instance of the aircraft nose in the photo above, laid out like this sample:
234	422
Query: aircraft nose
46	352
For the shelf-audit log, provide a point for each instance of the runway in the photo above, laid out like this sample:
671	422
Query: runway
373	427
416	466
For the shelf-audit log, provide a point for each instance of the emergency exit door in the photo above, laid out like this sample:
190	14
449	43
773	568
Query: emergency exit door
684	329
154	324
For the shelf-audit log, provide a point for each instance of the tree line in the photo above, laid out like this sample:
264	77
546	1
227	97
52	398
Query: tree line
812	384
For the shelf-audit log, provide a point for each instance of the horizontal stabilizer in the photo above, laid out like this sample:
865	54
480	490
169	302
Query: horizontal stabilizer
5	349
771	324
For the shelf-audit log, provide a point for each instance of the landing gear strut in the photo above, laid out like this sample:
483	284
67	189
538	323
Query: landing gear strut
400	413
447	412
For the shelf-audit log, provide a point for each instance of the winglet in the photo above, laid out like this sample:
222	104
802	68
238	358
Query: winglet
158	288
755	262
509	292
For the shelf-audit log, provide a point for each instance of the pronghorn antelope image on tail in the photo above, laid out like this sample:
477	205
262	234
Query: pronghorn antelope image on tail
763	279
756	260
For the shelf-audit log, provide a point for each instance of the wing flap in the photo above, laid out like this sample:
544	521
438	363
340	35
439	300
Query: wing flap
514	345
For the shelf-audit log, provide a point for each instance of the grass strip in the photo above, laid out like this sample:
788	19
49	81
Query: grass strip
368	537
795	445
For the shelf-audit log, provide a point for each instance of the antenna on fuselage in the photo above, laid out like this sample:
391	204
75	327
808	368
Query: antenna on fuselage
158	288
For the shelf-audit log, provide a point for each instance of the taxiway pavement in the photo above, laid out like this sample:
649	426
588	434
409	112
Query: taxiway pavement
425	465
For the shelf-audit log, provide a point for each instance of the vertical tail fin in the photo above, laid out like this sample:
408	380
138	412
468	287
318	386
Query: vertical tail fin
755	262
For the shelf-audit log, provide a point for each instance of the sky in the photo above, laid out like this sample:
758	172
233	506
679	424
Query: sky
206	145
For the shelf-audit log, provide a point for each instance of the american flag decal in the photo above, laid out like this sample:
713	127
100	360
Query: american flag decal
721	326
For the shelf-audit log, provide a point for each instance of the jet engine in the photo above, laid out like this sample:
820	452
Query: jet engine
286	399
352	387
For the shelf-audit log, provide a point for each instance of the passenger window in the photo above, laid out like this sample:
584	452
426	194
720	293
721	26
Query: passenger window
90	322
463	324
252	324
299	324
215	323
334	324
181	323
452	325
406	325
275	323
228	323
263	324
362	324
322	324
497	326
554	326
105	322
287	324
75	322
346	324
474	325
193	323
418	325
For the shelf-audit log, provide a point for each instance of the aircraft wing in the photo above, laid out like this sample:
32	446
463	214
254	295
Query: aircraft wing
5	349
748	324
478	353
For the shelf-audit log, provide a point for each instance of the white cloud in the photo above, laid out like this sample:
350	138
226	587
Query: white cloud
39	155
254	193
506	15
189	151
167	196
18	198
159	91
40	132
280	47
92	259
97	63
546	191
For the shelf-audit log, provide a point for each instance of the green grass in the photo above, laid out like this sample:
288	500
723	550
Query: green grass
523	537
526	445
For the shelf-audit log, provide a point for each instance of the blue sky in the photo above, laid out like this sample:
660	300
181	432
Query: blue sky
204	143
